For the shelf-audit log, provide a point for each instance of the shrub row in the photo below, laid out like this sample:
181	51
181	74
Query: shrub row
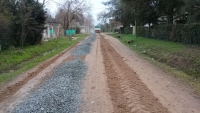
182	33
21	23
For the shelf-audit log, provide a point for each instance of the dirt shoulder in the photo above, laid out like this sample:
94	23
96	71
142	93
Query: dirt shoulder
170	92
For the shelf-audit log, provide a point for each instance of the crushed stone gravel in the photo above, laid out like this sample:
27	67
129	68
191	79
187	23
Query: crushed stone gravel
60	93
85	46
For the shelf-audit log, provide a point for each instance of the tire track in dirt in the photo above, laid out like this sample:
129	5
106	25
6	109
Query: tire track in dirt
128	93
95	94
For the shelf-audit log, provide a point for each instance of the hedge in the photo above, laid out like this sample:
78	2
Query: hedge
182	33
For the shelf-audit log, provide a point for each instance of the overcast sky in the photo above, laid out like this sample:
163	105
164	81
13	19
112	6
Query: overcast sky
97	7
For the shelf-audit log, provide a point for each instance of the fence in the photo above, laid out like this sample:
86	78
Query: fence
70	32
182	33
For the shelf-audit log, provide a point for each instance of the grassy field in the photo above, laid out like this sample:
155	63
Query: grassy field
183	61
17	60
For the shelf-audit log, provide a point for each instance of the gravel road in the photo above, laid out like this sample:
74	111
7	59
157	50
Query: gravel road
60	93
98	75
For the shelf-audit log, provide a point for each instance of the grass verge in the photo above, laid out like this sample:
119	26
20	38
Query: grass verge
17	60
180	60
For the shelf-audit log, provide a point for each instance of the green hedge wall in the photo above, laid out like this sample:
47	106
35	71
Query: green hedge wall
182	33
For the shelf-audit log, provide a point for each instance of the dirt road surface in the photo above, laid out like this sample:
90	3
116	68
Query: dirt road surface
117	81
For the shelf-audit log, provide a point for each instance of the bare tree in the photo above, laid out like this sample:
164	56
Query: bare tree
43	2
88	23
103	16
71	10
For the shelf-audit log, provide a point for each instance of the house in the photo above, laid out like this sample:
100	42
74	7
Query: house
115	24
52	30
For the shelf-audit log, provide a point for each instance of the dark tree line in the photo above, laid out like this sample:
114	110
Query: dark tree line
21	22
148	11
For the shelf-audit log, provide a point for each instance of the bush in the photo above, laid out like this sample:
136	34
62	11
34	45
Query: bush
127	30
78	30
5	32
182	33
21	23
144	32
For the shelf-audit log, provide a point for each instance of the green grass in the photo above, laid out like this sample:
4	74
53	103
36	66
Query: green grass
146	42
17	60
182	61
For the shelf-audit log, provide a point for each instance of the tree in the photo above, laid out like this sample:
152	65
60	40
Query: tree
129	11
88	23
7	31
70	10
21	22
103	16
192	11
170	8
29	22
120	11
5	25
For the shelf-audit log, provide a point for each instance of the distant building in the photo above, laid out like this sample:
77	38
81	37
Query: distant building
82	29
115	24
52	30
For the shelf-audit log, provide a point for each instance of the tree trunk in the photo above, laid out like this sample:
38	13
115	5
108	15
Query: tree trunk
149	34
170	18
43	2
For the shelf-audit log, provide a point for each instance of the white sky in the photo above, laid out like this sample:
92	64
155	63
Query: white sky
96	7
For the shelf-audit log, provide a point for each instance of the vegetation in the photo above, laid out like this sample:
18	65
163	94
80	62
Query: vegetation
183	61
180	18
17	60
142	12
193	9
21	27
21	22
74	13
174	22
182	33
